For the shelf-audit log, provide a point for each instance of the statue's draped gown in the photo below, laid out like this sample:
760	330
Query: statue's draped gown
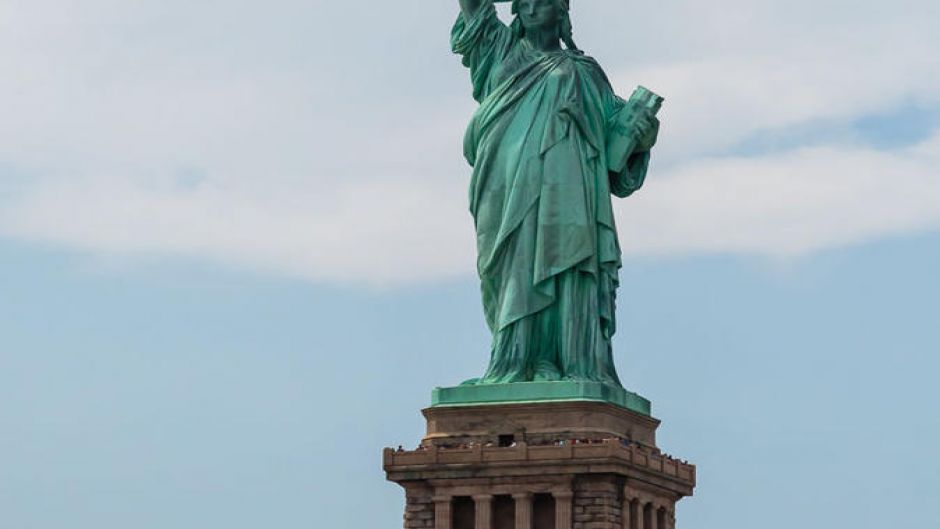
548	254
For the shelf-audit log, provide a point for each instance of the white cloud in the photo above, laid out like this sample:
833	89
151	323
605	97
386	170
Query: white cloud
772	79
381	232
270	140
786	204
372	231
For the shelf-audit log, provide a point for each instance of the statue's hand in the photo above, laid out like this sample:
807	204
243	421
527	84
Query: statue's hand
647	129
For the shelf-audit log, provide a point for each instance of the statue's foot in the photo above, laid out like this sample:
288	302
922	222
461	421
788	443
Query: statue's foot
603	380
546	375
470	382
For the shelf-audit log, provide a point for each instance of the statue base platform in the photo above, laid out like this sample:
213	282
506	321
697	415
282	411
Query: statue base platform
536	422
520	392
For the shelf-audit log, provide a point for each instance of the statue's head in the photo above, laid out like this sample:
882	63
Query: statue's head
537	14
541	15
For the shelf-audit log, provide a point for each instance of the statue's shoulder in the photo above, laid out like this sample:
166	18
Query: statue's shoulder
589	64
581	57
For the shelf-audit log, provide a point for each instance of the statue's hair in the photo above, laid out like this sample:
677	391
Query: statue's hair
564	23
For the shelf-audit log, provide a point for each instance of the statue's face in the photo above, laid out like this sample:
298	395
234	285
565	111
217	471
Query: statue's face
536	14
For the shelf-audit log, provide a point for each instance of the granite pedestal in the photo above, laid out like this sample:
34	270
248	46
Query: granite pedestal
553	464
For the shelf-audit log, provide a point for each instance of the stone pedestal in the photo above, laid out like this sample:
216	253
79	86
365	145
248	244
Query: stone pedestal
539	465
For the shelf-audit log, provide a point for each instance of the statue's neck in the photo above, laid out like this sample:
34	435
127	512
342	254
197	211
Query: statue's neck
543	39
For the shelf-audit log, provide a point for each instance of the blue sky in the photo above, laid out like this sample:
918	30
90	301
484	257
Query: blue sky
235	257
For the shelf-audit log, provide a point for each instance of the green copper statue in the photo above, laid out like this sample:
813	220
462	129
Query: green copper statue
549	144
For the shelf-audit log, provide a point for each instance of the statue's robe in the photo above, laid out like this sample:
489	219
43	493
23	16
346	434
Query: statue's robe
548	254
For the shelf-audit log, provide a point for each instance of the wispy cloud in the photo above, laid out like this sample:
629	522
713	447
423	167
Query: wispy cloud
787	204
272	141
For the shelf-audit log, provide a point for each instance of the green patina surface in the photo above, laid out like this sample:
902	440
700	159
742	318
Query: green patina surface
519	392
550	144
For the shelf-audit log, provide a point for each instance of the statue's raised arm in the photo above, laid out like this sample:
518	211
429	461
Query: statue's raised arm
470	7
483	41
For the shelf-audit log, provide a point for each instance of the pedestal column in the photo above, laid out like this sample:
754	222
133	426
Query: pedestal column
654	513
442	512
523	501
484	511
627	513
563	509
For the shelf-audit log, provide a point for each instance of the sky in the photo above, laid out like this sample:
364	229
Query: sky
235	256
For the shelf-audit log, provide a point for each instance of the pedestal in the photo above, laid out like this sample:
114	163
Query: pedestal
568	464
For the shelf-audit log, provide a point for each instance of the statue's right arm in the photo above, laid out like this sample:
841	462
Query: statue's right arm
470	7
482	40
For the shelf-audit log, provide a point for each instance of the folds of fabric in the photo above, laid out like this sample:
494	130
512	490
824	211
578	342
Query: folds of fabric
547	245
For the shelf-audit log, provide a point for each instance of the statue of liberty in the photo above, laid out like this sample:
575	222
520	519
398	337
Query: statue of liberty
549	143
